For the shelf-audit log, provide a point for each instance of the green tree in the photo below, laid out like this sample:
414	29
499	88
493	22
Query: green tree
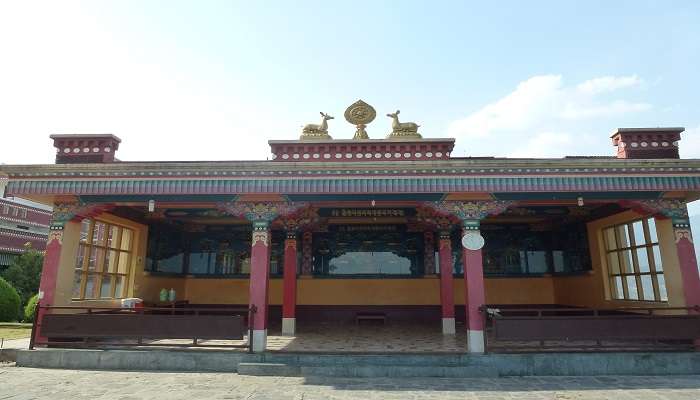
25	272
30	308
9	302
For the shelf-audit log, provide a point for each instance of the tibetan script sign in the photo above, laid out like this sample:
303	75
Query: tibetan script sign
365	212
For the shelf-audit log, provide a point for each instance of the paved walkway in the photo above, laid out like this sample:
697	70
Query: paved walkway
25	383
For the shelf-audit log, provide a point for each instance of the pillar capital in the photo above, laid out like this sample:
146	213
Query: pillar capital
66	211
675	209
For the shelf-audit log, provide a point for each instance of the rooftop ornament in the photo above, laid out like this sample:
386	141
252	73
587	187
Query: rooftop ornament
317	131
402	130
360	114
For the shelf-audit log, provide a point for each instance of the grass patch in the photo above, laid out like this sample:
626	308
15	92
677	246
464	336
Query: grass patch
9	331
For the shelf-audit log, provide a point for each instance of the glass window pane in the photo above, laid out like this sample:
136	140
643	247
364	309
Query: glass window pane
91	287
96	259
111	261
80	258
642	259
638	231
613	263
123	263
76	284
618	292
84	230
632	288
623	236
119	287
99	233
653	238
106	290
627	266
657	258
127	236
662	287
647	287
610	239
112	236
558	260
537	262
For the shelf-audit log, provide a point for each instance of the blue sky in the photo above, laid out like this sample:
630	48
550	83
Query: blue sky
217	79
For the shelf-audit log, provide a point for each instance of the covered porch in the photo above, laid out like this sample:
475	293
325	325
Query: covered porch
344	277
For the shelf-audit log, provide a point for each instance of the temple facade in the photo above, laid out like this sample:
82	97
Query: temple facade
398	228
22	224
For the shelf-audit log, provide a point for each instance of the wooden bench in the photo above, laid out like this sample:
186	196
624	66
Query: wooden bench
370	317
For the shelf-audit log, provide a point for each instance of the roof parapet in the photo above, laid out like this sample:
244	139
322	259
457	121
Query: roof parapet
647	143
85	149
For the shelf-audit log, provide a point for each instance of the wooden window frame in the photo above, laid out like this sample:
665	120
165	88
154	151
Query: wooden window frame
101	271
633	270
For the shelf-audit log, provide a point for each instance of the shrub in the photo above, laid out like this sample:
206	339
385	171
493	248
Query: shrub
30	308
9	302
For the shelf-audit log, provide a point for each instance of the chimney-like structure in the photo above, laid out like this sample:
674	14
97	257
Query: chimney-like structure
85	149
645	143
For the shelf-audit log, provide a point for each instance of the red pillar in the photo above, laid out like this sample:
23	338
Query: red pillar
259	282
290	285
49	274
446	284
475	296
688	262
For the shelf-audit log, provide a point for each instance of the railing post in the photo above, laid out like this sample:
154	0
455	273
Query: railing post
34	326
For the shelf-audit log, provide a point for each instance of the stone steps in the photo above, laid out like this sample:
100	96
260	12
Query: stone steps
366	371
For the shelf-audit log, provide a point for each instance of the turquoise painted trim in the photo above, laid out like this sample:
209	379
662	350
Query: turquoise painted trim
356	185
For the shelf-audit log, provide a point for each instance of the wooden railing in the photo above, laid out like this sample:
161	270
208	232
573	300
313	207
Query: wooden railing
79	326
517	329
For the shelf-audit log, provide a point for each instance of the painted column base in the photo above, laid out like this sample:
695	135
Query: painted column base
289	326
475	341
448	326
259	340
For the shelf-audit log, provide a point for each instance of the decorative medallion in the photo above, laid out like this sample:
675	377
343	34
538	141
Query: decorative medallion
472	241
360	114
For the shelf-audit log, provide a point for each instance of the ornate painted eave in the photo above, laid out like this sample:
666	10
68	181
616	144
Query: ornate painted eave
448	176
454	166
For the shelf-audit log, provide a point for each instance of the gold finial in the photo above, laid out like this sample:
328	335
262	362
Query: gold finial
360	114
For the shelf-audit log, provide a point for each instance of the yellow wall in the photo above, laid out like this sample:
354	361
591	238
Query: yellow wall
326	291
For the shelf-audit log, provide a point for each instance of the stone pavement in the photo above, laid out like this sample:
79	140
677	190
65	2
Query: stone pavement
25	383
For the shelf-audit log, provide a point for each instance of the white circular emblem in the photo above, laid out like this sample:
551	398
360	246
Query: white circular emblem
472	241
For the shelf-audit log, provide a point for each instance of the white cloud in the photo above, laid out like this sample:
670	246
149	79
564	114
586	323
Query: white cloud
523	121
689	146
614	108
607	84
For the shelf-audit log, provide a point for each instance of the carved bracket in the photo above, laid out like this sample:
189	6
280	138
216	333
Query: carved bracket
471	212
259	211
301	219
68	211
674	209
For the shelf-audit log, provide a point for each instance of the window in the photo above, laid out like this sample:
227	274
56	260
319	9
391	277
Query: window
23	213
5	209
529	250
635	268
207	250
103	261
368	250
15	211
